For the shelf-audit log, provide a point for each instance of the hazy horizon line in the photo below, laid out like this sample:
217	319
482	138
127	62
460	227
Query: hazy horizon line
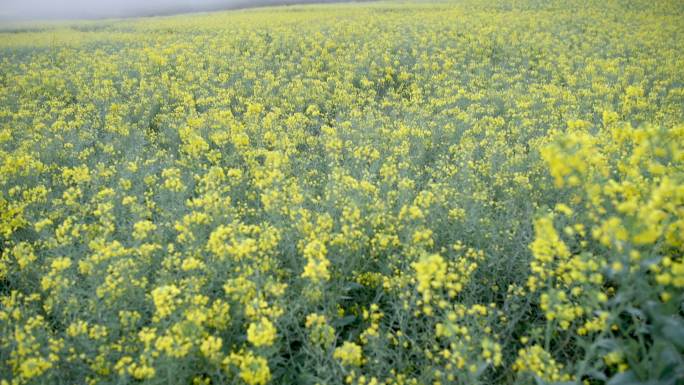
127	9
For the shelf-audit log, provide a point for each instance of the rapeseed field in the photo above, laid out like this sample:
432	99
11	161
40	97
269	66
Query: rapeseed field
469	192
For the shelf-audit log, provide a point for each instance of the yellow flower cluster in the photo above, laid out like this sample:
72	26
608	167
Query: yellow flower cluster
349	354
317	265
320	332
261	333
536	360
253	369
165	299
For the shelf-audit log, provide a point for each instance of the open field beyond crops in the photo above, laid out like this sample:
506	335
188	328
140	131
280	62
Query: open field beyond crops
470	192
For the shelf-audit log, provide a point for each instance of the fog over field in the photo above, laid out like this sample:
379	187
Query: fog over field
90	9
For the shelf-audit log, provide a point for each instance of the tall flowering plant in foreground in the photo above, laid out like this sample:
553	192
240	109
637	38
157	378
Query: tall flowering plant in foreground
607	267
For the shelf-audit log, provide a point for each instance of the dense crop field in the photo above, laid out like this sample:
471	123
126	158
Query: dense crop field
478	192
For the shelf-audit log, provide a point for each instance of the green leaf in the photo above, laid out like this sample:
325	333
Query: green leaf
673	330
344	321
624	378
